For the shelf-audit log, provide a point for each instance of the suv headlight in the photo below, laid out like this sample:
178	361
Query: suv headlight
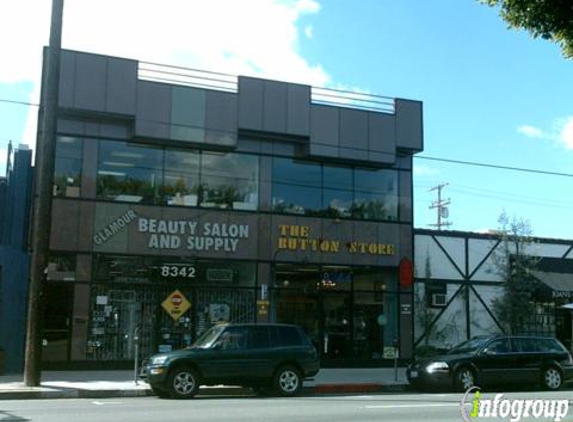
158	360
437	366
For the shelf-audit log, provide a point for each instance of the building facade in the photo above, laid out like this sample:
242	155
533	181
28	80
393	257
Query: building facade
15	200
458	279
183	199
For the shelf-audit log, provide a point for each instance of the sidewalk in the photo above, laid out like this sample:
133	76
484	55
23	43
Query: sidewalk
102	384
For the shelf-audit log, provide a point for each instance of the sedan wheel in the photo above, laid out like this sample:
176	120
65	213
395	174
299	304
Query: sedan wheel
287	381
183	383
464	379
552	379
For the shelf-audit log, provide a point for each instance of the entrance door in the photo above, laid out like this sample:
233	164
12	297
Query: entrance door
58	304
336	330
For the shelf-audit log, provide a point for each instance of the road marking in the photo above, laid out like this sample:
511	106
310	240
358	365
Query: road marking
397	406
103	403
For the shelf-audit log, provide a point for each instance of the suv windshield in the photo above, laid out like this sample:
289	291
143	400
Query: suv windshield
468	347
208	338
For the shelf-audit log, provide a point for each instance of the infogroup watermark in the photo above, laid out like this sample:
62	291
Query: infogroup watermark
474	407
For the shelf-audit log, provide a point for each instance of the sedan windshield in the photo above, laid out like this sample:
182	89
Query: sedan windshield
468	347
209	337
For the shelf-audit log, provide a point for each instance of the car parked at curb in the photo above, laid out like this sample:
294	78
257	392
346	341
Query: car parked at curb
496	360
270	358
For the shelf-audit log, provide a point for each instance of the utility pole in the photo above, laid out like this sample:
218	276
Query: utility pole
45	157
441	206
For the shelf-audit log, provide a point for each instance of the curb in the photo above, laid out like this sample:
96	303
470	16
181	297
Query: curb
206	391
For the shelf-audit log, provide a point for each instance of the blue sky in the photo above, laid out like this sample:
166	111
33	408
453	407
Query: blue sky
490	94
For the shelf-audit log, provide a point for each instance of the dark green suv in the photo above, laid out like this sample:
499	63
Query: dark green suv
270	358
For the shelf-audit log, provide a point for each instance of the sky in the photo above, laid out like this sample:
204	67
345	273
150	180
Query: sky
491	95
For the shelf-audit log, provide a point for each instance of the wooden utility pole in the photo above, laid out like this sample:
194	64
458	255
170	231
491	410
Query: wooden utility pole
45	157
441	207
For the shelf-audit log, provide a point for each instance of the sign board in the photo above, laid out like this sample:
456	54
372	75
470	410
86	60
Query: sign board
262	307
176	305
390	353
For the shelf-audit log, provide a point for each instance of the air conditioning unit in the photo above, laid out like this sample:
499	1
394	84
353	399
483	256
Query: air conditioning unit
439	299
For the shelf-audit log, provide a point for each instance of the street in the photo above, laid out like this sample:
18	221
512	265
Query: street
359	408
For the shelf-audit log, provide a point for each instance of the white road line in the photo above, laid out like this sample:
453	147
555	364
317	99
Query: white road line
397	406
103	403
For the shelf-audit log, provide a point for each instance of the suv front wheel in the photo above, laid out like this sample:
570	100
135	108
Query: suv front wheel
183	382
287	381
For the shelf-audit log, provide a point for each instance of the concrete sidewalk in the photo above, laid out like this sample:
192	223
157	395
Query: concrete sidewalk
102	384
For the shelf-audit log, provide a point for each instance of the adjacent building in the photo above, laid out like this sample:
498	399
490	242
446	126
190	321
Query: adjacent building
183	199
15	205
459	275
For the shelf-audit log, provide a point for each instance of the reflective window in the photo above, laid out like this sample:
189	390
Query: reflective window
68	166
296	186
229	181
181	178
337	193
375	194
128	172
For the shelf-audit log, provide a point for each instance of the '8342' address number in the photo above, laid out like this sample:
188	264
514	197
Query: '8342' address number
171	271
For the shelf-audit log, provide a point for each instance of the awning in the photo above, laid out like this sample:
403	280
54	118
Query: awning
561	284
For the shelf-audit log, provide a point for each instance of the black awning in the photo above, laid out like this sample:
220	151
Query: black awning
561	284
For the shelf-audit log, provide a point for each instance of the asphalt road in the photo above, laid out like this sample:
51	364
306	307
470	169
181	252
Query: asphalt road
382	407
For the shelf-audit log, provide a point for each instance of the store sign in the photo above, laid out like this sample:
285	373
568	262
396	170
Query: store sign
167	234
176	305
188	234
560	294
300	238
114	227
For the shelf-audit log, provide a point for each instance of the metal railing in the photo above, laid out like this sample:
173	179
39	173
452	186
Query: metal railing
230	83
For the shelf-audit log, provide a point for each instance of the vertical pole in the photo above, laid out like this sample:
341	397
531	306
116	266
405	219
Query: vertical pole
45	153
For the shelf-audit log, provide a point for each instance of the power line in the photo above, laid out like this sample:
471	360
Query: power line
496	166
3	100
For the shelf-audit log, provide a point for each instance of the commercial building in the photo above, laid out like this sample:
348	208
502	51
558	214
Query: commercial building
15	201
185	198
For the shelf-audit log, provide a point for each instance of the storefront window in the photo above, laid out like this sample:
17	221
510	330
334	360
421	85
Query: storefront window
337	193
349	312
136	291
128	172
296	187
375	194
68	166
229	181
328	190
61	267
181	178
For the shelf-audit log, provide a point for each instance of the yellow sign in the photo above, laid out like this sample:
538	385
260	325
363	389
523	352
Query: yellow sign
263	307
176	304
297	238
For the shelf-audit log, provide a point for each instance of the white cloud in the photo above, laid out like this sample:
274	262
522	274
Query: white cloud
421	170
254	37
531	131
566	134
308	31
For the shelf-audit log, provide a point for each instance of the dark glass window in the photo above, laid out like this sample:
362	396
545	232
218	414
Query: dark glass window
375	194
233	338
289	336
499	346
258	337
68	166
128	172
296	186
229	180
337	193
181	178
